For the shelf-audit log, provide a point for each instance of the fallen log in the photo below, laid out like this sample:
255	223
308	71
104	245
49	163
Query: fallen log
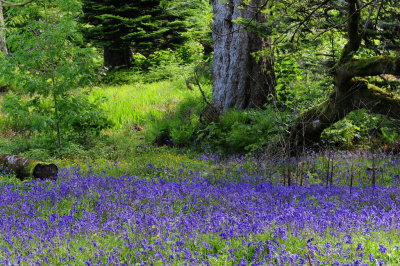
25	167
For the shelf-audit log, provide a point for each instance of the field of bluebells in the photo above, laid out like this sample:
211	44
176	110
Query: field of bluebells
230	212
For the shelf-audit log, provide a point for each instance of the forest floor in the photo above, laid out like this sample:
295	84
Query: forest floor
126	201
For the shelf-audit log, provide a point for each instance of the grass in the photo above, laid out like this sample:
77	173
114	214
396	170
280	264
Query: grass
130	107
140	103
143	102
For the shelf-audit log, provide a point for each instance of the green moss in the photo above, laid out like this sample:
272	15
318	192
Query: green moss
25	167
368	62
379	94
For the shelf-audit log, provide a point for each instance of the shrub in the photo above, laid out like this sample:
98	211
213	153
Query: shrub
242	131
81	121
180	128
26	115
344	133
235	132
361	127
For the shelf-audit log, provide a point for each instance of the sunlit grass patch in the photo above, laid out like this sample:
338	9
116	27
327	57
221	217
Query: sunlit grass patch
143	162
140	102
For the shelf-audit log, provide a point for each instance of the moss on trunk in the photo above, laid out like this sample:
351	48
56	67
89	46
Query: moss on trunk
25	167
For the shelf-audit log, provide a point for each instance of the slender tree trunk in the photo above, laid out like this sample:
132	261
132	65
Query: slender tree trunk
240	80
56	107
115	57
3	47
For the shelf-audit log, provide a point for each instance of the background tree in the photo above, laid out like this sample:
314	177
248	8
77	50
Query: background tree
198	16
243	58
118	26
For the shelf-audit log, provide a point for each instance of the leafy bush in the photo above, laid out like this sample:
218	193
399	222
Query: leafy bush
19	115
242	131
81	120
180	128
343	133
361	127
235	132
390	135
85	118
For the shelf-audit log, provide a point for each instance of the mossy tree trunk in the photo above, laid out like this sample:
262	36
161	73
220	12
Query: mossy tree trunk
25	167
350	92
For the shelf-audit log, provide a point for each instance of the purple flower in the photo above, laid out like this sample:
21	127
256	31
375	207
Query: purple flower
371	258
382	249
201	208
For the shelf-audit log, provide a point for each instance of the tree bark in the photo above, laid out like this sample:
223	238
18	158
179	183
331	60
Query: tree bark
24	167
117	56
350	93
240	80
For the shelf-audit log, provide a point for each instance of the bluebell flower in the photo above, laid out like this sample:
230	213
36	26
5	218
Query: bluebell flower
371	258
382	249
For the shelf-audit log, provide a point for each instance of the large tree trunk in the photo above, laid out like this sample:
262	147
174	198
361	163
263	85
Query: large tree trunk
240	80
24	167
3	47
116	57
350	93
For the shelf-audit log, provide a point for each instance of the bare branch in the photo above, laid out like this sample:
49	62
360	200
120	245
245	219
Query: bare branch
307	18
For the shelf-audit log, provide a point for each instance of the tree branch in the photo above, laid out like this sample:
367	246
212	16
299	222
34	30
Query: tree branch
381	102
354	38
373	66
310	124
308	17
